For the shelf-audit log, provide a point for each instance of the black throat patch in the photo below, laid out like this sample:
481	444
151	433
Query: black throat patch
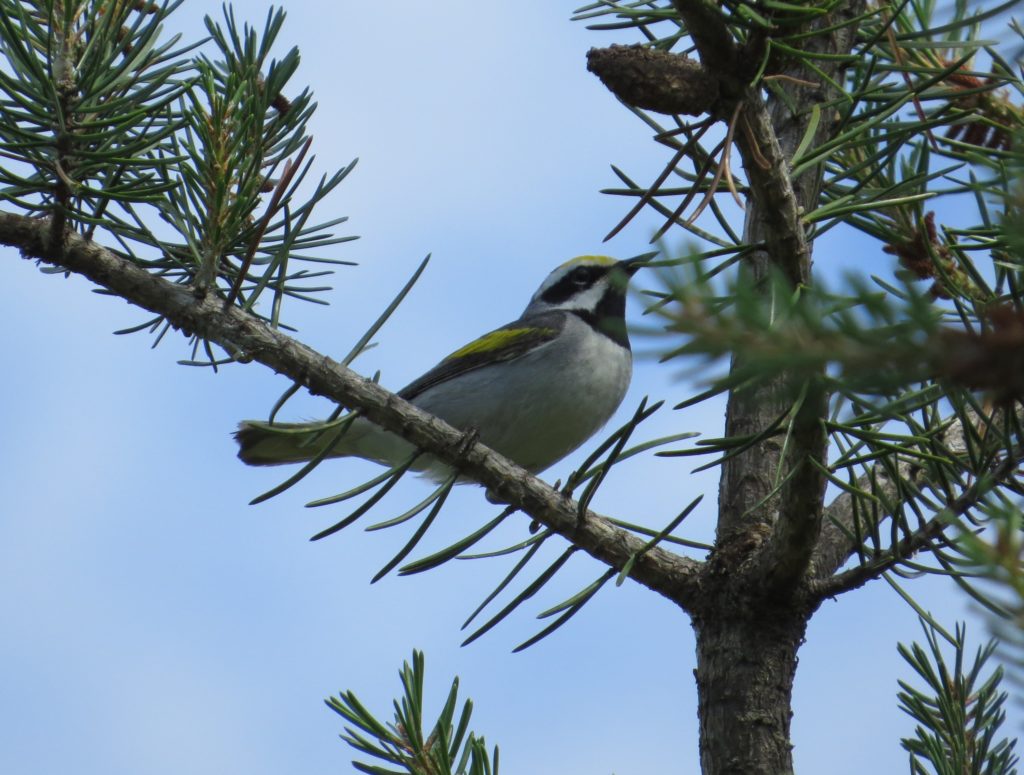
609	318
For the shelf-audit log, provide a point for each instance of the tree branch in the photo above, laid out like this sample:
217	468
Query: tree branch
706	26
787	553
770	132
914	542
837	543
238	331
862	574
777	220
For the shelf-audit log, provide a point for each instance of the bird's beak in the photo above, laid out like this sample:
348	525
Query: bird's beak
631	265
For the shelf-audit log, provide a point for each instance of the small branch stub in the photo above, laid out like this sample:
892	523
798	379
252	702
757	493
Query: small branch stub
655	80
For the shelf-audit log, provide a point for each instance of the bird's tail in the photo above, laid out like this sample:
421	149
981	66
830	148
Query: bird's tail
266	444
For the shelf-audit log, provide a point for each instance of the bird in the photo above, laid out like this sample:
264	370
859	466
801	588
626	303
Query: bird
533	390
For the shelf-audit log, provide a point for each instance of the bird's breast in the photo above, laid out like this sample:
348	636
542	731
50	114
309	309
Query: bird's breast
541	406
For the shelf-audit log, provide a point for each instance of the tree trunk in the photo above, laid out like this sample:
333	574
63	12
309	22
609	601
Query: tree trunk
745	669
750	623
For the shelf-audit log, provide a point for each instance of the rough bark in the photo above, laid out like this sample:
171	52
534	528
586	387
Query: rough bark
774	218
745	682
755	612
747	647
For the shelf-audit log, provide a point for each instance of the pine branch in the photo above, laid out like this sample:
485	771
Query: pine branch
838	543
959	712
920	539
857	577
787	553
239	331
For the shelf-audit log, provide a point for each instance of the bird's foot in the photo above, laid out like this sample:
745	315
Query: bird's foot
469	437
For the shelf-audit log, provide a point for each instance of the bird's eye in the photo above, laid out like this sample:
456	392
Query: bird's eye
581	276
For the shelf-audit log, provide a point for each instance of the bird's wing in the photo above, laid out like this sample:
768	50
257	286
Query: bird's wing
503	344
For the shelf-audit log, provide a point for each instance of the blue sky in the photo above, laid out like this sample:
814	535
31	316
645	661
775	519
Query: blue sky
155	623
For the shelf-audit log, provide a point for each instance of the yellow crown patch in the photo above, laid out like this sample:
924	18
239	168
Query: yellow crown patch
592	260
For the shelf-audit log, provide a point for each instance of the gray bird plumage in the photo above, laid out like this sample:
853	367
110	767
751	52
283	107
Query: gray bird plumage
534	390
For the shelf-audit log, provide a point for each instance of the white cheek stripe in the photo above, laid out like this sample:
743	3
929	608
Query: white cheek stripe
588	299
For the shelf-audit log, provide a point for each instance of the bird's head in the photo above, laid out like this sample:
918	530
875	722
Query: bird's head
586	284
593	287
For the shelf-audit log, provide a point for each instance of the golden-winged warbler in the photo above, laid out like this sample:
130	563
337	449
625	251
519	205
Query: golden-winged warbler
534	390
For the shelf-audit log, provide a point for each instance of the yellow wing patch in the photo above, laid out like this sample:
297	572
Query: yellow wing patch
591	260
497	340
